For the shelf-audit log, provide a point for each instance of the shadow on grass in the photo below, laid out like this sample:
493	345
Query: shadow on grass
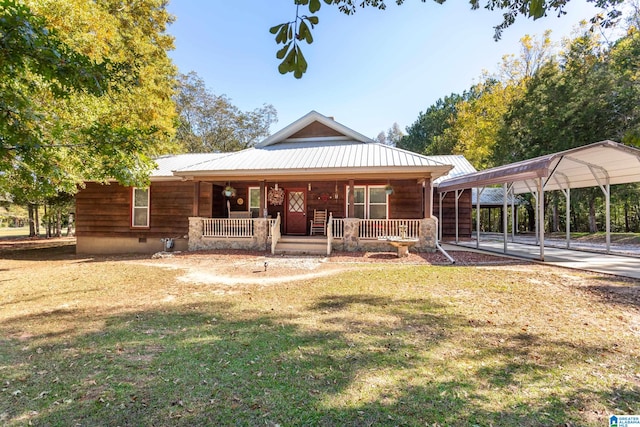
363	361
625	293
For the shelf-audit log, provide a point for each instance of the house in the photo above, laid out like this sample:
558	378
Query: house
369	191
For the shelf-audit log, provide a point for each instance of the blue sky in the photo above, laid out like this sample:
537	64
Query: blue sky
368	70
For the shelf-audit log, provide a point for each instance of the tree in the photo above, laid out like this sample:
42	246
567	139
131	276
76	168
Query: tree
85	94
394	135
291	34
478	121
381	138
426	134
211	123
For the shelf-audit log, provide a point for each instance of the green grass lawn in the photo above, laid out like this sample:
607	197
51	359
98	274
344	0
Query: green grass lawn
108	342
14	232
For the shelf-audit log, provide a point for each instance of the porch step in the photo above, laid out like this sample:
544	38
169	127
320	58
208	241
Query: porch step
302	245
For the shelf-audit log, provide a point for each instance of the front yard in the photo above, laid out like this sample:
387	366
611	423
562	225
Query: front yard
214	339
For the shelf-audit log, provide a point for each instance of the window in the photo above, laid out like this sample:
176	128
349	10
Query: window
254	202
140	207
370	202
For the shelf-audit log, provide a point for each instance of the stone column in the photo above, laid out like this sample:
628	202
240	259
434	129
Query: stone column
428	234
351	234
196	228
260	233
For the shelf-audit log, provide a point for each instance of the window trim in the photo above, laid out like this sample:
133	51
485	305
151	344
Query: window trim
249	207
147	208
367	200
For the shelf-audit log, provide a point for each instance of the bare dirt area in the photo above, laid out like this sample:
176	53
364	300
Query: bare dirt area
249	267
235	266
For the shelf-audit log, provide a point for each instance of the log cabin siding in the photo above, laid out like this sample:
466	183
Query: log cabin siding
449	214
105	210
316	130
406	200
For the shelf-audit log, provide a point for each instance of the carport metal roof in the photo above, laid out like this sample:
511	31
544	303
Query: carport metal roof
595	165
587	166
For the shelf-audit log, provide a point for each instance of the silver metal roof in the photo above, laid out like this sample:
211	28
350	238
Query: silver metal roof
306	120
587	166
320	156
168	164
493	197
461	166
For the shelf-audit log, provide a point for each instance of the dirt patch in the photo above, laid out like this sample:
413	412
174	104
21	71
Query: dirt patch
251	267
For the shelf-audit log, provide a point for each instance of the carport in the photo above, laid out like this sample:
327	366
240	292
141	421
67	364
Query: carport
600	164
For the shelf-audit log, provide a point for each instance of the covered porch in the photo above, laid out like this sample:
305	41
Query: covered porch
360	214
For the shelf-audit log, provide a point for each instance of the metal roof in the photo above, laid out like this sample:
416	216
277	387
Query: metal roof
169	163
493	197
587	166
461	166
318	157
304	121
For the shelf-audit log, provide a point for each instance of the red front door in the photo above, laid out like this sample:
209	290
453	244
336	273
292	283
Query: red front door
296	211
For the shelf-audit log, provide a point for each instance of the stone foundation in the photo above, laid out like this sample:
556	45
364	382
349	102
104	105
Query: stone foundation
258	242
350	243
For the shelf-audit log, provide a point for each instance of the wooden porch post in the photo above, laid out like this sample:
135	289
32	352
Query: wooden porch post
263	196
196	198
428	198
352	205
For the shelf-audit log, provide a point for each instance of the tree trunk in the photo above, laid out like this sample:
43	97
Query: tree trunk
70	225
555	210
37	217
47	226
531	216
593	226
627	227
58	223
32	225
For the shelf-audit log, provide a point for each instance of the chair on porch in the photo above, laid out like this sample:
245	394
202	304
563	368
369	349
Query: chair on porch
319	222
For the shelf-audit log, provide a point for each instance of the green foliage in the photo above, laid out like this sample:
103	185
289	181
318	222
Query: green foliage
427	134
290	33
211	123
85	93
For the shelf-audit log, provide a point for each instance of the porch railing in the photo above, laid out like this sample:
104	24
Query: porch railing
270	223
337	226
376	228
330	234
228	227
275	233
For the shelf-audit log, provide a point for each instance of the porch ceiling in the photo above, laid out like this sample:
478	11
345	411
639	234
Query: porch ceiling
587	166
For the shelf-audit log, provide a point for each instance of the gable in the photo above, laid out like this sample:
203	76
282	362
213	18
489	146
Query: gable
316	130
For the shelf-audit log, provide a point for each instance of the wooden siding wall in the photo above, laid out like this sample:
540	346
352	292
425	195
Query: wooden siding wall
449	214
406	200
315	130
105	210
205	197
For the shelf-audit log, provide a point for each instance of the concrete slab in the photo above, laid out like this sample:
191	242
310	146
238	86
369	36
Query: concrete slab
618	265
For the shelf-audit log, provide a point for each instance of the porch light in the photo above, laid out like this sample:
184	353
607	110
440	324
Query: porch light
335	192
309	186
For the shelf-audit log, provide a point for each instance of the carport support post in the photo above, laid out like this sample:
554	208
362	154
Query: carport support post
514	214
541	217
568	220
505	216
478	194
458	194
608	208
